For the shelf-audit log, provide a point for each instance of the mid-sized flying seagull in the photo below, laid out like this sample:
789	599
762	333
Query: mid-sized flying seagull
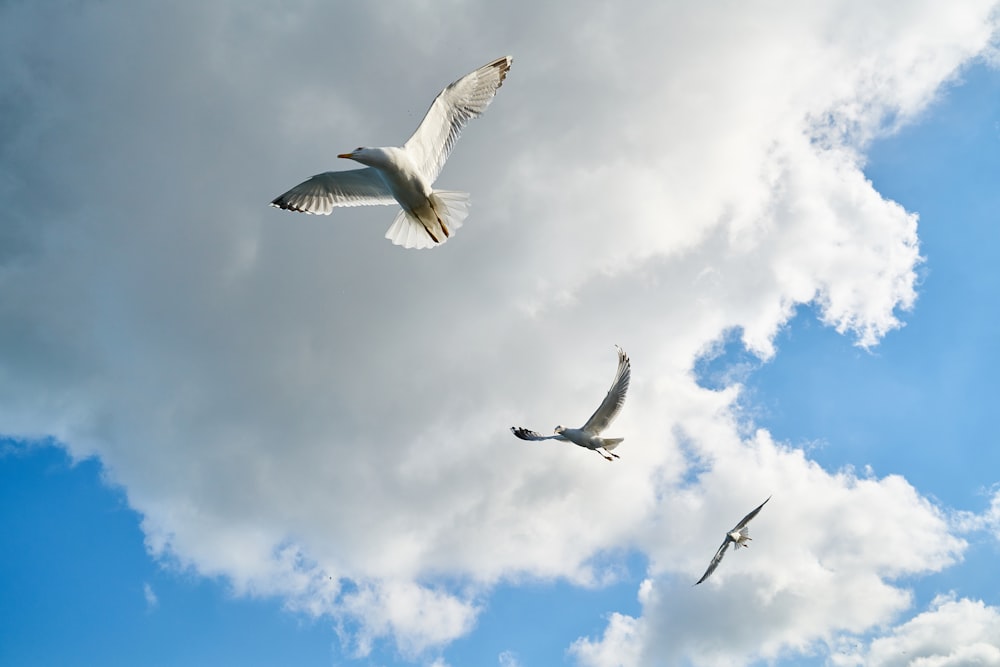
589	434
405	174
739	536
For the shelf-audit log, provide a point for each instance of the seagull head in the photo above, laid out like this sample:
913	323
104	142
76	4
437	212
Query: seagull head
559	429
368	156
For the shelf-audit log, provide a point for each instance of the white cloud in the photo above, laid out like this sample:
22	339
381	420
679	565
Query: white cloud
989	520
415	617
152	602
953	633
298	406
508	659
621	644
826	550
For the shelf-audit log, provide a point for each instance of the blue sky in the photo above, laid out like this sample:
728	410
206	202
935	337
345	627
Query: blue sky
220	446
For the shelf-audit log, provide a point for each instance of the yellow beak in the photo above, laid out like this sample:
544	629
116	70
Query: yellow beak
347	155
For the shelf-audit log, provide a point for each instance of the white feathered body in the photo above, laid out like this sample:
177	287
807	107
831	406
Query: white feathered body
583	438
439	213
740	537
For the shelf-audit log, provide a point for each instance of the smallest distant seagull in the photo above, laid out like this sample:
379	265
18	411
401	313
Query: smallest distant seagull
739	535
589	434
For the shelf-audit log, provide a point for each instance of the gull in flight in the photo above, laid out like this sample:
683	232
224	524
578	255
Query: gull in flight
739	536
404	175
589	434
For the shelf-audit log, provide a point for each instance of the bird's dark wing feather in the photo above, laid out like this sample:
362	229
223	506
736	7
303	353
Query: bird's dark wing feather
715	561
752	514
527	434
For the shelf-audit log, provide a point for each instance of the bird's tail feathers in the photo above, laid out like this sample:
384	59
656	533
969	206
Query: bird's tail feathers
407	231
450	209
452	205
611	443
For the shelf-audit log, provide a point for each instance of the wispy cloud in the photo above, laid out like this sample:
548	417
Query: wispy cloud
508	659
152	602
987	520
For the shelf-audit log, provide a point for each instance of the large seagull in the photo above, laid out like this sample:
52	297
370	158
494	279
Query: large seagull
589	434
405	174
739	536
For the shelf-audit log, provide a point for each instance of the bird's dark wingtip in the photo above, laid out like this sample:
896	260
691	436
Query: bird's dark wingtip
503	64
287	206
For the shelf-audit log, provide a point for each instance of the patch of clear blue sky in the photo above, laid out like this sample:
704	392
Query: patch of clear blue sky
921	404
72	573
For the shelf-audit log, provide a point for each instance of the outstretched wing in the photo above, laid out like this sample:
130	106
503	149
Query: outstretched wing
613	402
715	561
527	434
321	193
456	105
748	517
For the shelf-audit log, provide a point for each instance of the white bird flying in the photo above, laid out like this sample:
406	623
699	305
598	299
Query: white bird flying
739	536
589	434
405	174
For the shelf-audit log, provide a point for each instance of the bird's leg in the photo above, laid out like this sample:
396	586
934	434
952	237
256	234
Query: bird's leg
444	227
433	237
440	219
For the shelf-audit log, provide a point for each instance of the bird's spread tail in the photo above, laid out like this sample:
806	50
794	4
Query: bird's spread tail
611	443
449	210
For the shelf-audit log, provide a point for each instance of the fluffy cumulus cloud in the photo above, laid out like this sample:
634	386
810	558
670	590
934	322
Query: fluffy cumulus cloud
824	563
295	404
953	632
415	616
